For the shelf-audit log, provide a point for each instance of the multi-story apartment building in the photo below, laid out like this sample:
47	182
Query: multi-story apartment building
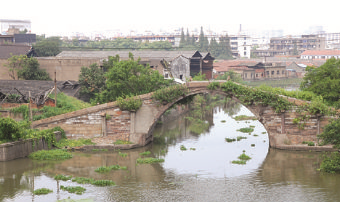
240	45
291	45
332	40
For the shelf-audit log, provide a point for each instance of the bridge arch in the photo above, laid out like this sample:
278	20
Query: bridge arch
137	127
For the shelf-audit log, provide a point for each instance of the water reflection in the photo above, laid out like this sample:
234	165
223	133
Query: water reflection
203	174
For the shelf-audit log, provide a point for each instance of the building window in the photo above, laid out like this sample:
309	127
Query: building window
245	53
267	72
278	72
245	48
166	75
273	72
245	75
283	72
181	76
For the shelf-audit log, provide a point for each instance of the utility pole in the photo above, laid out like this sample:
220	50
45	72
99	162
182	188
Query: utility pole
55	88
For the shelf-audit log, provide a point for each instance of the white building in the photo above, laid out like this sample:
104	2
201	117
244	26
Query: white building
332	40
320	54
21	25
240	45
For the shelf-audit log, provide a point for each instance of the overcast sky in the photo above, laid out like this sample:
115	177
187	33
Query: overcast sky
69	16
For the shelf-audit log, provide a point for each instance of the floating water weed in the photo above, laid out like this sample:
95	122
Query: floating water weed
103	150
55	154
149	160
244	117
122	154
183	148
253	145
83	180
223	121
246	130
239	162
244	157
193	149
239	138
145	153
230	139
62	177
73	189
255	135
264	132
251	126
42	191
103	169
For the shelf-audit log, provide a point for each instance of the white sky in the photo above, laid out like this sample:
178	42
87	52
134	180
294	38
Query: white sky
64	17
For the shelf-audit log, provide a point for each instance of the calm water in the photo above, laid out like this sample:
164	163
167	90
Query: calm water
202	173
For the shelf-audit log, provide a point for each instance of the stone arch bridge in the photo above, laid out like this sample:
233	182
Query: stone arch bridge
108	122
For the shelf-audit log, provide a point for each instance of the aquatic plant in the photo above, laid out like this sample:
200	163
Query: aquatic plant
244	157
149	160
230	139
244	117
122	154
246	130
239	138
239	162
62	177
55	154
42	191
252	145
73	189
73	143
83	180
96	150
183	148
103	169
145	153
223	121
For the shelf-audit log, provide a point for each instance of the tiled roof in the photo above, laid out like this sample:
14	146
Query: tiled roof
321	52
226	65
168	55
6	51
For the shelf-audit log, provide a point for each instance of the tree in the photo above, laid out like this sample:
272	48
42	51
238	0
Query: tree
48	47
224	48
128	78
182	42
91	80
31	71
203	43
324	80
22	67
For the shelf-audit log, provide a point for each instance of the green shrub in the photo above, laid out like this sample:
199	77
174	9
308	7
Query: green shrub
213	85
330	163
73	143
170	94
9	129
331	133
129	103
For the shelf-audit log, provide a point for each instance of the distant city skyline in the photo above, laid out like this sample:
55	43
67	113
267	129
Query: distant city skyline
65	18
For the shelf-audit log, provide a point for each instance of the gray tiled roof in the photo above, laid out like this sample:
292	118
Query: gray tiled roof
6	51
168	55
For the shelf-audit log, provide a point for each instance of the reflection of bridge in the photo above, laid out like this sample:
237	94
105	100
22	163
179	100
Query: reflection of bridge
110	123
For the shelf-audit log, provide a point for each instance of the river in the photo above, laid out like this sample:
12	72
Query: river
203	172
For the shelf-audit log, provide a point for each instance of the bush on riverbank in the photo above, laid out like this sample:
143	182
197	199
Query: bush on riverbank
55	154
331	163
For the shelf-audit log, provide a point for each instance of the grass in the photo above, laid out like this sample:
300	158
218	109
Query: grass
62	177
103	169
55	154
309	143
73	189
122	142
123	154
246	130
73	143
149	160
244	118
42	191
145	153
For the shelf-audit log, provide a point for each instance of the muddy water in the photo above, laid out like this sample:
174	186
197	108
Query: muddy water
203	172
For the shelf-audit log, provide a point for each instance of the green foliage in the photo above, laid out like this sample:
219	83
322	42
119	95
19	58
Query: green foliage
246	130
65	104
241	162
62	177
149	160
250	96
230	75
122	154
244	117
199	77
122	142
309	143
48	46
96	150
91	80
331	163
244	157
239	138
128	77
55	154
170	94
145	153
324	80
73	143
331	133
83	180
183	148
214	85
129	103
103	169
73	189
42	191
230	139
9	129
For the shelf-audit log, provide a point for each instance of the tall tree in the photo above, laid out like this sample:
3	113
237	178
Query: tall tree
203	43
187	38
182	42
214	48
224	48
